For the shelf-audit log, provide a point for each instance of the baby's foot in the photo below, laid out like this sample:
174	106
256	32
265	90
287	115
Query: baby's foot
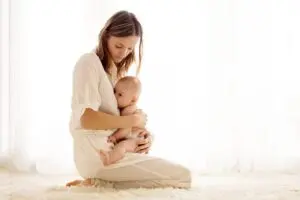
104	157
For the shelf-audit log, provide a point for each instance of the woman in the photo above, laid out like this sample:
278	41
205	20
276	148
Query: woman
94	110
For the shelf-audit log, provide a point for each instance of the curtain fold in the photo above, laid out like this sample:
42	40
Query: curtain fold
4	80
220	80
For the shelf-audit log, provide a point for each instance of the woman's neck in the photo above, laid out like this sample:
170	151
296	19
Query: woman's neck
113	73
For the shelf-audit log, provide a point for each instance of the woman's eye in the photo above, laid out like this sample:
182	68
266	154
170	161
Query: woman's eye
118	47
120	94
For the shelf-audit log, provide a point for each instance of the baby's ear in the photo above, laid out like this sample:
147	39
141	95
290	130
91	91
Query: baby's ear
134	99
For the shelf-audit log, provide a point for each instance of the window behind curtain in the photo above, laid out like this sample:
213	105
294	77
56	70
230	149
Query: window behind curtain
4	77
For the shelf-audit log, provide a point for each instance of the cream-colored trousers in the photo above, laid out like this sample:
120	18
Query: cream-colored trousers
133	171
153	173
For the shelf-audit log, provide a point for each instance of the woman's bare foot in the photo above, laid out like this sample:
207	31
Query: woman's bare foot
86	182
74	183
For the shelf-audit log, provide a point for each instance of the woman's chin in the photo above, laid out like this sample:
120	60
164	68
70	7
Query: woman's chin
117	61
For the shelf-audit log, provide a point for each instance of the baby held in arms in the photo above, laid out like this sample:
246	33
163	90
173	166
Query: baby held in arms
127	92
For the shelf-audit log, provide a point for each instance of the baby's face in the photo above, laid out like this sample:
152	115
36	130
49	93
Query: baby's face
125	97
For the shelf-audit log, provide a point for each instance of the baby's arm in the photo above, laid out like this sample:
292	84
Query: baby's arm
123	133
129	110
119	150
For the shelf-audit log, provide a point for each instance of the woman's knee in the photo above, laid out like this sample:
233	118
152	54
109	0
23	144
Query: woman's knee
89	169
186	177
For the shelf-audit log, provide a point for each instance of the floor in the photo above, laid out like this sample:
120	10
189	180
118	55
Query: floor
15	186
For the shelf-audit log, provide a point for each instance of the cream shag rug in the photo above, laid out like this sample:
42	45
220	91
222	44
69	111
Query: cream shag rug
205	187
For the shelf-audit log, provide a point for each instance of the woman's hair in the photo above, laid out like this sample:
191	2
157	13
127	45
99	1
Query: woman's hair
121	24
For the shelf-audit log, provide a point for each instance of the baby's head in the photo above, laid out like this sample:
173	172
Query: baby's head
127	91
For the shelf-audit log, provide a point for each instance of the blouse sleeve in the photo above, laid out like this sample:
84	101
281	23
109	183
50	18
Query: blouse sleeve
86	82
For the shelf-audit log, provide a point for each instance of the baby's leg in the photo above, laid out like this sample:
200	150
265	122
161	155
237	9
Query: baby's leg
119	135
116	154
110	157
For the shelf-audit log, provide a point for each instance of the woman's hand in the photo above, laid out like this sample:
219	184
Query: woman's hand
140	119
145	142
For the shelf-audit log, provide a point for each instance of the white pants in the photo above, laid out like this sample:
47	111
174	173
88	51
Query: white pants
152	173
135	170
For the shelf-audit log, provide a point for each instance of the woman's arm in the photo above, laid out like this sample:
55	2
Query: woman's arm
86	79
97	120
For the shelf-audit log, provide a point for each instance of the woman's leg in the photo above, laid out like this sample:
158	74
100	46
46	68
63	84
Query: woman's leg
155	173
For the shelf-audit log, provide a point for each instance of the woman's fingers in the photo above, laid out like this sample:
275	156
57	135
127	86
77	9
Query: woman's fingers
142	141
143	134
146	150
140	119
143	148
140	111
143	145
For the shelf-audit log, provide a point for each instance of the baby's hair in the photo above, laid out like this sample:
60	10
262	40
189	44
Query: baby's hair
132	81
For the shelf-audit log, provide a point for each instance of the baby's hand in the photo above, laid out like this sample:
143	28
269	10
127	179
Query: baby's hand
112	139
129	110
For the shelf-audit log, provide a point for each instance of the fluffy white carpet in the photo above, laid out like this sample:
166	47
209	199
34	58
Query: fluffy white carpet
205	187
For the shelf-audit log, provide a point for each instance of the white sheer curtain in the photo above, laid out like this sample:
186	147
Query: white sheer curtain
220	80
4	80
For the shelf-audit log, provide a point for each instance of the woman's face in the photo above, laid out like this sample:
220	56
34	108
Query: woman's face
120	47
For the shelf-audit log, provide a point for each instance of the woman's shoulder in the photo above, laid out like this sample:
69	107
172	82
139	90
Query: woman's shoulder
89	60
90	57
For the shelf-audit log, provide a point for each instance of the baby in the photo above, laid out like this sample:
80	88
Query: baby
127	92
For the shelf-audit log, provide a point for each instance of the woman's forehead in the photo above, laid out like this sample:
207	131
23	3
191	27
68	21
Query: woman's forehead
128	42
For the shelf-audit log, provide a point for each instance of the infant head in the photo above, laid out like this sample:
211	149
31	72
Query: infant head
127	91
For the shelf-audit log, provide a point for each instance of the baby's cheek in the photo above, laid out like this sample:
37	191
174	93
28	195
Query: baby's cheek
125	101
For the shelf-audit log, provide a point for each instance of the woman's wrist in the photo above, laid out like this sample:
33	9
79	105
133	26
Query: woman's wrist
127	121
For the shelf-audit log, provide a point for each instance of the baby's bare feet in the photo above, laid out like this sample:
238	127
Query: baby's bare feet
104	157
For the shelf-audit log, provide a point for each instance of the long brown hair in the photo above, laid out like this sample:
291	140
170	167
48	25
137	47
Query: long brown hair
121	24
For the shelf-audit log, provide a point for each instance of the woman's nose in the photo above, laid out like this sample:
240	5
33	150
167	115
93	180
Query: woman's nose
123	53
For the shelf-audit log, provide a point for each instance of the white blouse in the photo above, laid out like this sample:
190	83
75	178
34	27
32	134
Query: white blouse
92	88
